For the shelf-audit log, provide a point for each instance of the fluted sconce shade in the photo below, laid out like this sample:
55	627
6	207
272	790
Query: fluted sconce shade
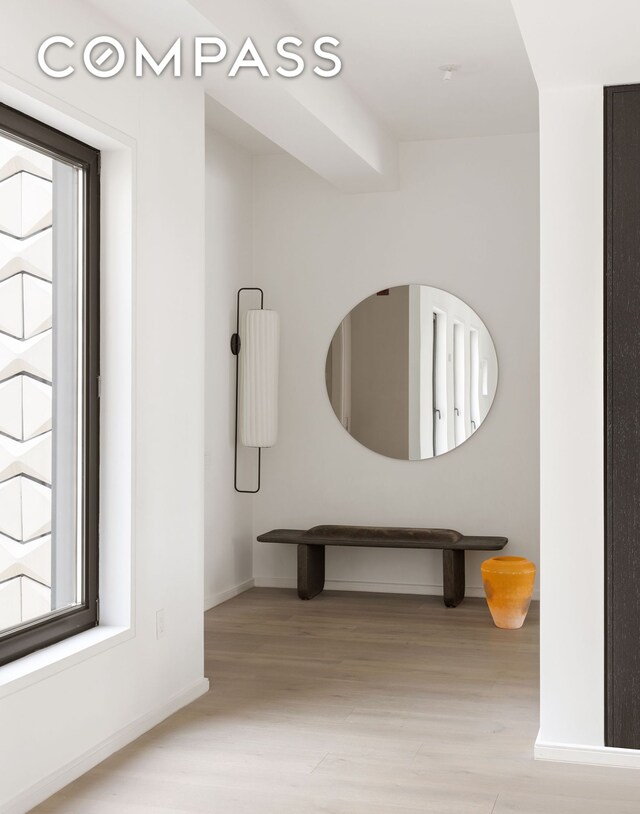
258	404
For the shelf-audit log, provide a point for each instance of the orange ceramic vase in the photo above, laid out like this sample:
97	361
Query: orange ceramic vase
508	585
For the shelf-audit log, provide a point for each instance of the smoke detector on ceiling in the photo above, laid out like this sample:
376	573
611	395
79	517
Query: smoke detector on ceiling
448	71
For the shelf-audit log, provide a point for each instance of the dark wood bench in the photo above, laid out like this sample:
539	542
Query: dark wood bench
311	545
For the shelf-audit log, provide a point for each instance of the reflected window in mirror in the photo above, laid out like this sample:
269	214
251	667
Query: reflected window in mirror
459	388
475	380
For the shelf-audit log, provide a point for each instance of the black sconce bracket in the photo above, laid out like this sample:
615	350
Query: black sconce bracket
236	344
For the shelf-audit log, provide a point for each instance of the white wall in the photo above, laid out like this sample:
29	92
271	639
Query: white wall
464	219
228	526
571	417
588	46
63	719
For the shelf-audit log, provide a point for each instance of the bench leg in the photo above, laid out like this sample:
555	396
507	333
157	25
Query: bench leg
310	570
453	577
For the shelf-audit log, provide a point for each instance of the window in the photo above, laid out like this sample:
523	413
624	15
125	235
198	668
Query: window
49	385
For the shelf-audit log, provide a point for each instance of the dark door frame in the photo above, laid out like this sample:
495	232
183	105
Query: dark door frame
621	476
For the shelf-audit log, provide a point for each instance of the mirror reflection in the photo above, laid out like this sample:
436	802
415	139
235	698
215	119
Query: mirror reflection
411	372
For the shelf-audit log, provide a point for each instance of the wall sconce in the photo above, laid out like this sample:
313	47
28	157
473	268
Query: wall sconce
255	344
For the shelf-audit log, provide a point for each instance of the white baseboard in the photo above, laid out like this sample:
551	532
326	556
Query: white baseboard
57	780
373	587
591	755
211	600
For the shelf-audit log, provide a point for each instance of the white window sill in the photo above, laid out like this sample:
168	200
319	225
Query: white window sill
57	657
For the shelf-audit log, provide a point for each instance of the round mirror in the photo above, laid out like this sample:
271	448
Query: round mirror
411	372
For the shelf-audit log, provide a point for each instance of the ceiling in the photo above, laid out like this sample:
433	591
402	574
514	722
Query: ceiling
346	129
391	50
236	130
588	44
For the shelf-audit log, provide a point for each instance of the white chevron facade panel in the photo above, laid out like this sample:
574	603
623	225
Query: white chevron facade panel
26	360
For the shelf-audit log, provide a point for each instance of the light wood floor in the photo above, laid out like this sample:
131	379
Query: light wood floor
353	704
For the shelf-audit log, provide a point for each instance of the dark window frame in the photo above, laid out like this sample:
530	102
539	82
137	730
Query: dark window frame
61	625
